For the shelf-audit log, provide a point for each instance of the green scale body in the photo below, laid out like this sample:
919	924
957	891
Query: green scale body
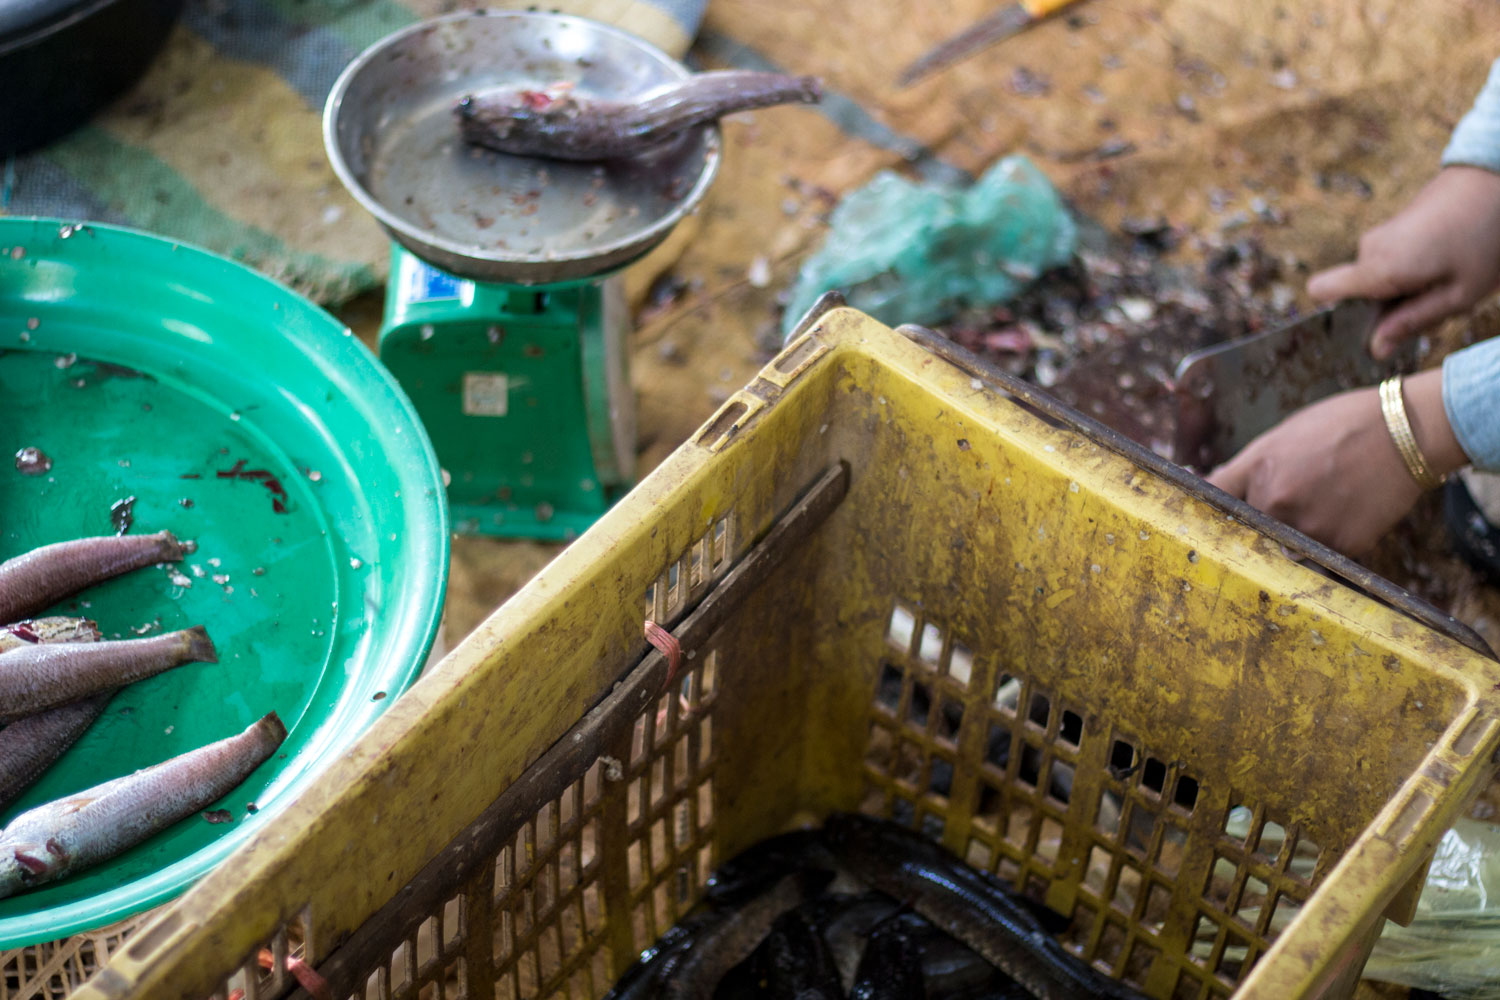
524	391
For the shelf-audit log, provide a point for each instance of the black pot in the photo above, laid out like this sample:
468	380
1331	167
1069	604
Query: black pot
62	60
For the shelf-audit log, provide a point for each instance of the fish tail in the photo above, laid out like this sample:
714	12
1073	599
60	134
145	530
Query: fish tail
200	646
271	727
811	88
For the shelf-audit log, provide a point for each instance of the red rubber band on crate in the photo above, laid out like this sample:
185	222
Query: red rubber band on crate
307	978
667	643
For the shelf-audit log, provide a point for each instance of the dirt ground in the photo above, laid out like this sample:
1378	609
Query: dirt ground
1289	127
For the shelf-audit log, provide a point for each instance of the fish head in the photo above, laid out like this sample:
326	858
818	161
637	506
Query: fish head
522	109
12	878
21	867
25	865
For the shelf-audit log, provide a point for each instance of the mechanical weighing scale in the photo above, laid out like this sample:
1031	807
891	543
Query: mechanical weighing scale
505	317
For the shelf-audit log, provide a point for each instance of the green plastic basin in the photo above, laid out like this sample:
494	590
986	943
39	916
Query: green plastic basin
243	417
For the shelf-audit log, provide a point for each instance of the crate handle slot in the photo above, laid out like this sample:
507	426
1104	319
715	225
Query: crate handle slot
728	421
143	947
565	761
1293	541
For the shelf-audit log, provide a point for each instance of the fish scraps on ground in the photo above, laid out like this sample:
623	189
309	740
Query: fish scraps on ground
861	908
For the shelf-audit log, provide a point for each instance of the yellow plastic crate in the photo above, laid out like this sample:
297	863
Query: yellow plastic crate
877	556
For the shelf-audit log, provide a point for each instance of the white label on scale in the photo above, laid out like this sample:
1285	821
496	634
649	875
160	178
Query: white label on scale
486	394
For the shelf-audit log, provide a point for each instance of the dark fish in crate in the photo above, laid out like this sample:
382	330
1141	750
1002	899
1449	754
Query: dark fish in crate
728	941
846	922
59	838
793	963
46	675
692	957
33	581
799	963
742	900
748	873
644	977
891	967
557	125
951	969
968	905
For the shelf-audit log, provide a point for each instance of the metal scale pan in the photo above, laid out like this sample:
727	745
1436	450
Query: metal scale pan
393	140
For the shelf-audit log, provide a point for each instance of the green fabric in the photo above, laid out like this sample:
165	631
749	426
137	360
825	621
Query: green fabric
133	184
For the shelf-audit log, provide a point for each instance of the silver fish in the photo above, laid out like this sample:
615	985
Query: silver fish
43	676
556	125
57	839
31	745
32	582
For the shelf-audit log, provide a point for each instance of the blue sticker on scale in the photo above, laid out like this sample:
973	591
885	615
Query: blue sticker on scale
425	283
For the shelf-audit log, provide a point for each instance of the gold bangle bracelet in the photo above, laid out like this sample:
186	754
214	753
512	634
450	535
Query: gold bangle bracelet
1393	408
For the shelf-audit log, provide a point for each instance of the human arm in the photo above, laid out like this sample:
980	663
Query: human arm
1332	471
1434	258
1440	254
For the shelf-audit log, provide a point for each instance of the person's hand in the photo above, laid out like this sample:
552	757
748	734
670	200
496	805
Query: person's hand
1332	471
1439	255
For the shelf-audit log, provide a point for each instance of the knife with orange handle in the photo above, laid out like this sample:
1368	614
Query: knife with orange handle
1007	21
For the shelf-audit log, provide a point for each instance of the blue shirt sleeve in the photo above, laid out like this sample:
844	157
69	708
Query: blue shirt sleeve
1471	377
1470	380
1476	140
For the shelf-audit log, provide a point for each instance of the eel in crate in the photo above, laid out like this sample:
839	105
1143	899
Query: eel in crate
967	904
868	909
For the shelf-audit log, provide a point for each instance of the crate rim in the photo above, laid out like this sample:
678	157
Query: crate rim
1383	844
1294	541
1051	408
